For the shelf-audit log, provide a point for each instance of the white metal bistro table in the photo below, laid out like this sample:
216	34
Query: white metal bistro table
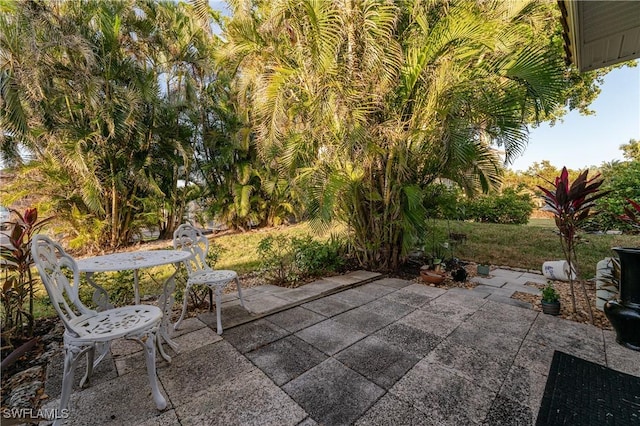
135	261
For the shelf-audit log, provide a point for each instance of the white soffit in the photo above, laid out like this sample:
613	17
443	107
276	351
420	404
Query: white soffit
603	33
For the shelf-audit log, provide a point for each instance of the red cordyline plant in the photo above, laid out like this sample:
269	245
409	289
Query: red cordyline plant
632	214
571	205
17	282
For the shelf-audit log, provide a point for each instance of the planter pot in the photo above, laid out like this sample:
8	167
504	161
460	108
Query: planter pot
624	314
551	308
431	277
606	289
483	270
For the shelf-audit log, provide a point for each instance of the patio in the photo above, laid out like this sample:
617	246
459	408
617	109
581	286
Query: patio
352	349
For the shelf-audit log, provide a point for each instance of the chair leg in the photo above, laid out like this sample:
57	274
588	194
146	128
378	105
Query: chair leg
150	358
219	308
71	355
89	372
184	306
239	291
102	349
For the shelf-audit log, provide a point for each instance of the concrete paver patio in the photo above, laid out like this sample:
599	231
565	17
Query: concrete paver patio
335	352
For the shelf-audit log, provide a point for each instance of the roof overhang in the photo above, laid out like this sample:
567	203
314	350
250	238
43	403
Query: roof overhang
600	33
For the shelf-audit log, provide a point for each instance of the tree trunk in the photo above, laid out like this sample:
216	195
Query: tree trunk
114	212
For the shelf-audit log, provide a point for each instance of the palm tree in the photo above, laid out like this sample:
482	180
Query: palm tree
110	108
41	82
367	102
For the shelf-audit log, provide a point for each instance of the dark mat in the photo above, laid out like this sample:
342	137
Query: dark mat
580	392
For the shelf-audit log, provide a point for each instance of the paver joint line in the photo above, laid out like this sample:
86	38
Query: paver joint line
303	301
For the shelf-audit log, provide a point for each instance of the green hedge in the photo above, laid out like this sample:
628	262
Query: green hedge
509	207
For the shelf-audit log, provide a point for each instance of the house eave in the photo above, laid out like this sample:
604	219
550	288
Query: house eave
600	33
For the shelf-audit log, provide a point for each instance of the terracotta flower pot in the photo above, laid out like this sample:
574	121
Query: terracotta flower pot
431	277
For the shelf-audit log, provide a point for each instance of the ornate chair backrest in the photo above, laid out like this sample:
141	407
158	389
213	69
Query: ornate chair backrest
189	238
55	267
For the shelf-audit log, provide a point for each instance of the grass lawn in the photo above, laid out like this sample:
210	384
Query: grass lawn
528	246
523	246
547	223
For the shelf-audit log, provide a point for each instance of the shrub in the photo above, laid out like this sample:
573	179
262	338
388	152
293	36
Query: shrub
509	207
313	257
571	203
214	253
443	202
277	259
285	260
118	286
623	180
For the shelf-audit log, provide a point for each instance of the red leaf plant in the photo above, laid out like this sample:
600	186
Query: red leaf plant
17	281
571	204
632	216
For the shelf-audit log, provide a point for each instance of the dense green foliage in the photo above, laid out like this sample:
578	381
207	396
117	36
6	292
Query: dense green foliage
509	207
366	104
117	115
125	120
285	260
100	110
622	178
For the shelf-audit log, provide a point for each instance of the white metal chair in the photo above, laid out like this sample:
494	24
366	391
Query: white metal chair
86	329
189	238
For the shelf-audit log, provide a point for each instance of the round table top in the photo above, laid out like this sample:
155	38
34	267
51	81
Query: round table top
131	260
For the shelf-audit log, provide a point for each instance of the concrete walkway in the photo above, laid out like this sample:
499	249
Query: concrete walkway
336	352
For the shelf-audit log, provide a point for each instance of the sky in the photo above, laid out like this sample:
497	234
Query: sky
582	141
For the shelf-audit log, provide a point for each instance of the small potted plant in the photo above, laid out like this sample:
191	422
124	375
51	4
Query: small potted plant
437	266
550	300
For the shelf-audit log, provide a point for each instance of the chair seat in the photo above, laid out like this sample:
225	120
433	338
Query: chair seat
213	277
114	323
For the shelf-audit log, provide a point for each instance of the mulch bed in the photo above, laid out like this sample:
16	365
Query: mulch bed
23	380
566	307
